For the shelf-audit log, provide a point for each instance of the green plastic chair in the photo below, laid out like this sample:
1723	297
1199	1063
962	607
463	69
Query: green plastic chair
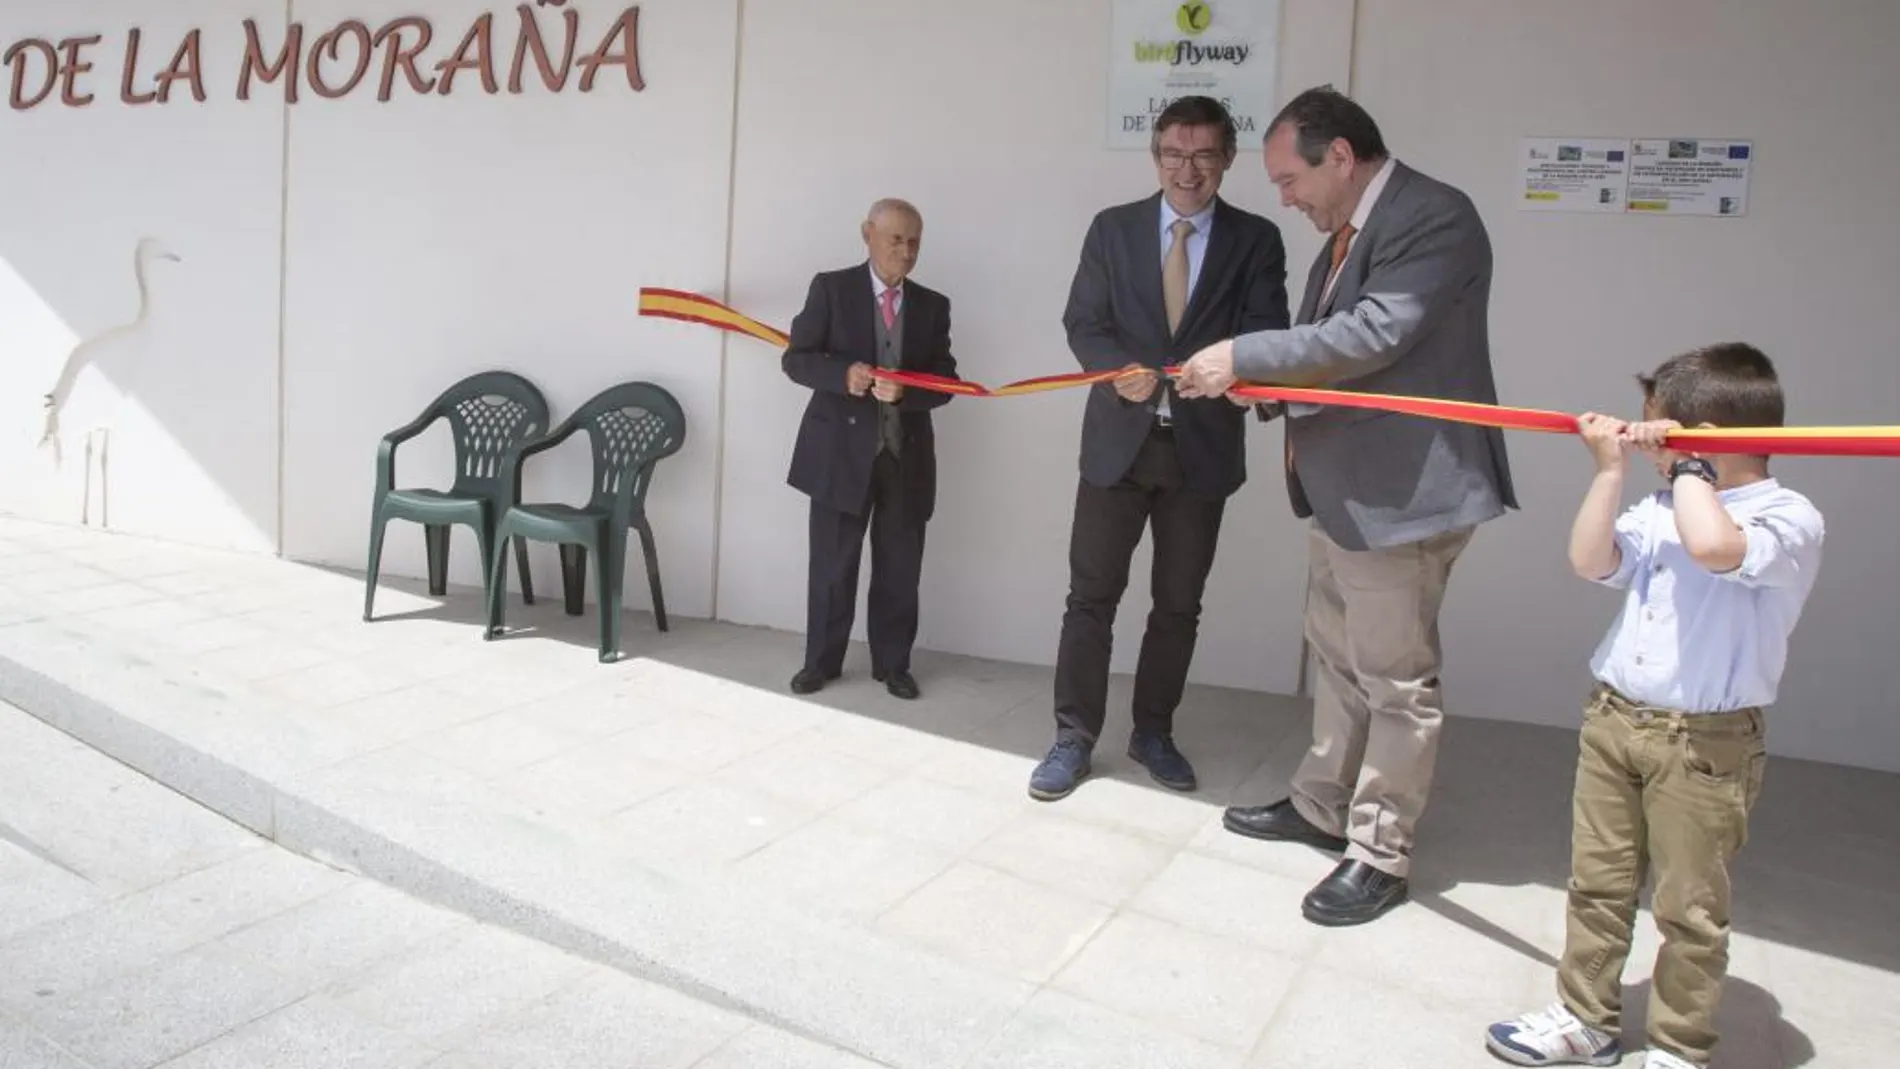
632	426
491	414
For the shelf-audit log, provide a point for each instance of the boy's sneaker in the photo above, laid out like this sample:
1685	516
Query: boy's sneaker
1552	1036
1662	1059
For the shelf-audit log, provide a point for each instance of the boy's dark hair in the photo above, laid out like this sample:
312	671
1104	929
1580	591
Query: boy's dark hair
1728	385
1323	113
1196	111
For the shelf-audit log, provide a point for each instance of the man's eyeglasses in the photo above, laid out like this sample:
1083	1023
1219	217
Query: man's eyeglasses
1202	161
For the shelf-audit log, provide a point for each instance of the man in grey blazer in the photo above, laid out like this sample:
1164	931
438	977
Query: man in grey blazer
1396	303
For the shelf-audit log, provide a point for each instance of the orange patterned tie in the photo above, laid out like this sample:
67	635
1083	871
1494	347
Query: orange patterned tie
1341	241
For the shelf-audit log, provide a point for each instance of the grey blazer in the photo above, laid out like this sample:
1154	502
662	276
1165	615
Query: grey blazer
1408	315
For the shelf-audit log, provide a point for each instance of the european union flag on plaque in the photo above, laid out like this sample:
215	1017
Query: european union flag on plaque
1616	155
1738	152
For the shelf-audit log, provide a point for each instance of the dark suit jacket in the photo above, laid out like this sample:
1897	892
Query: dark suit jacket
1408	315
1115	315
838	438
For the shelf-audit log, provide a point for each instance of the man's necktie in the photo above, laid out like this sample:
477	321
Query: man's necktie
1342	241
1174	275
889	430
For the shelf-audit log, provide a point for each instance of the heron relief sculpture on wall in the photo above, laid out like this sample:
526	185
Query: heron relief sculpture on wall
144	253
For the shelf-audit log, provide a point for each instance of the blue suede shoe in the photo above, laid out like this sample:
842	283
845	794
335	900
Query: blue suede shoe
1156	752
1058	774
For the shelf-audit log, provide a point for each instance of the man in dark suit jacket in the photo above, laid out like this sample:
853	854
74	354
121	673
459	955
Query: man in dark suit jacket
866	451
1158	279
1397	303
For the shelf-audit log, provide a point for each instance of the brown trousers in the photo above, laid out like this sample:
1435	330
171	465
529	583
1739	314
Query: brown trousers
1372	620
1663	792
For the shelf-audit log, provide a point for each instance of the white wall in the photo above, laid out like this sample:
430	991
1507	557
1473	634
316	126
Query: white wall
430	238
424	239
189	399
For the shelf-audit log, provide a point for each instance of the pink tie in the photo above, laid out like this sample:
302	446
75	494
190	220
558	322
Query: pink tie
887	303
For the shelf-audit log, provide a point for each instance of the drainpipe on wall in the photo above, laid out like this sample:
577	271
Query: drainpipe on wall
725	295
283	295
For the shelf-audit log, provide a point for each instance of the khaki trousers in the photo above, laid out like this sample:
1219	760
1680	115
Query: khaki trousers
1372	622
1657	791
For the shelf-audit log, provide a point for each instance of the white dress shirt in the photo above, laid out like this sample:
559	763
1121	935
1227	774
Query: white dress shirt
877	293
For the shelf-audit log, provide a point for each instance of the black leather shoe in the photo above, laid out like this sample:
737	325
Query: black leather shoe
900	684
1280	822
811	680
1164	762
1354	894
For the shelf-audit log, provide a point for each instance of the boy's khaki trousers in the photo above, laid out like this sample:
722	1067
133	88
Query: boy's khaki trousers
1670	793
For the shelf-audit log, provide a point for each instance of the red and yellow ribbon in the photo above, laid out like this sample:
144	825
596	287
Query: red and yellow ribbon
1787	441
692	308
924	381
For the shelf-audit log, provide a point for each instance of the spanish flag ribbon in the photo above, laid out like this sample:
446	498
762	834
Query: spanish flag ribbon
1786	441
925	381
692	308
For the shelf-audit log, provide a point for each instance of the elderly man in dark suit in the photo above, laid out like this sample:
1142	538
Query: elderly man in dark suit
1158	279
866	451
1396	303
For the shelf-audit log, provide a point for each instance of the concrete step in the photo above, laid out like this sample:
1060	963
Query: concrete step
464	846
142	931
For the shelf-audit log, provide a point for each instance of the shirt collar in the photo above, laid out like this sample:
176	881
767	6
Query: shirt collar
877	284
1734	494
1371	196
1755	489
1201	219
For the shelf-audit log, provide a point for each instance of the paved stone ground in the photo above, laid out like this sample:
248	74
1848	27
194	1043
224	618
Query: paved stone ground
139	929
682	816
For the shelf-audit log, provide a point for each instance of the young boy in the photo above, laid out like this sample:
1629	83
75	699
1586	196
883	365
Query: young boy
1717	568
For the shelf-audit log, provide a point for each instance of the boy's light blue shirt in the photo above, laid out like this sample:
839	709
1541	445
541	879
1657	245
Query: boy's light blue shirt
1695	641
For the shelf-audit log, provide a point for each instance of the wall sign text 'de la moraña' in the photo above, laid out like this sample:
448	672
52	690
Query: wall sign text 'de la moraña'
336	61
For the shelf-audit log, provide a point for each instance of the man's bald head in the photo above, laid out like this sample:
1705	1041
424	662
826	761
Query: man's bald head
893	204
893	234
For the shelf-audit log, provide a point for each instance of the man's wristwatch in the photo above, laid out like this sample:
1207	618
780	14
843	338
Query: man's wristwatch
1695	466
